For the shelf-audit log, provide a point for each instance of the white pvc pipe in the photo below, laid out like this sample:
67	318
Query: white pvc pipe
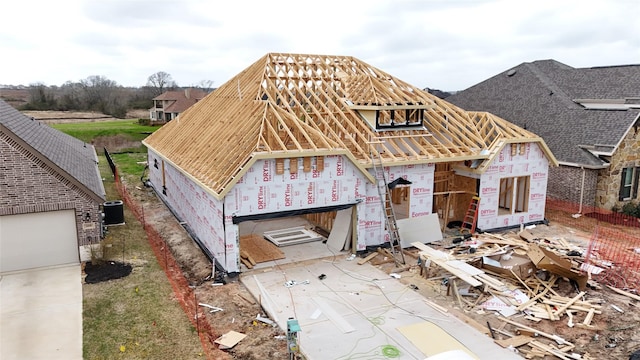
582	190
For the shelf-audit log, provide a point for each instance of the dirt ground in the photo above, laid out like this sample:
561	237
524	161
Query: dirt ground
59	117
614	333
240	309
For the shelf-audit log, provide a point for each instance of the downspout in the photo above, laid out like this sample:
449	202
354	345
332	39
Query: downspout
581	194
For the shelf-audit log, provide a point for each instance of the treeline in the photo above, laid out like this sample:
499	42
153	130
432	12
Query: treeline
98	93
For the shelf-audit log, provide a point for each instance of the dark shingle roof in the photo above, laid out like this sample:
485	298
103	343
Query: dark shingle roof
76	158
539	96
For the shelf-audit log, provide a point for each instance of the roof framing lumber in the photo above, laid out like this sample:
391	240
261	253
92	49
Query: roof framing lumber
298	105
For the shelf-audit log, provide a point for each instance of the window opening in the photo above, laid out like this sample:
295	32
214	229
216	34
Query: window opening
514	195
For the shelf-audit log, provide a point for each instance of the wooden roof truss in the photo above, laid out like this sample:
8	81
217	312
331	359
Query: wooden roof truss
293	105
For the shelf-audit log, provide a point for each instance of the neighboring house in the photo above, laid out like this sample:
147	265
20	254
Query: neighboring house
588	117
50	194
300	135
168	105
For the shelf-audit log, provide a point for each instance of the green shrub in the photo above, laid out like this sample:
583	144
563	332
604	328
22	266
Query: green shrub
631	209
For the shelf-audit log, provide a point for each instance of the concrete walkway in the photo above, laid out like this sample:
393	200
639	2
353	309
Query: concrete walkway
41	314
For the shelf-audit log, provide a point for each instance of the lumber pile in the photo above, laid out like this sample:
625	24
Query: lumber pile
517	278
530	289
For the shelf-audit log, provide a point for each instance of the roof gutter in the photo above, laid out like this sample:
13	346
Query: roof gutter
591	167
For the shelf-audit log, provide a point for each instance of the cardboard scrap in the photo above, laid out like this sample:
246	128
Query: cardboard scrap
229	340
547	260
514	341
525	235
522	266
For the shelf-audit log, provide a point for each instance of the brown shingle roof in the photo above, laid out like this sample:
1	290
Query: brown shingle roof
182	99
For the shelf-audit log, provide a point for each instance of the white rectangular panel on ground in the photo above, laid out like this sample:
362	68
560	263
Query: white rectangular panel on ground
340	230
292	236
424	229
333	315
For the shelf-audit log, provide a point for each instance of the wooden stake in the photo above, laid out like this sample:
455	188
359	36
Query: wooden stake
625	293
555	338
368	258
569	303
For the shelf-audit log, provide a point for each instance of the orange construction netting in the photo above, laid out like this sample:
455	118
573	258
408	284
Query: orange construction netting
181	289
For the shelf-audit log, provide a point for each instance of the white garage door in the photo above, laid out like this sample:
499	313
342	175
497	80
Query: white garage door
37	240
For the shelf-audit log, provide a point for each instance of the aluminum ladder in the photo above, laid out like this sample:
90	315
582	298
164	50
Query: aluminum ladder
390	216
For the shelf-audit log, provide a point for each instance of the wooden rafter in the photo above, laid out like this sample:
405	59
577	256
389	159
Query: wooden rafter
298	105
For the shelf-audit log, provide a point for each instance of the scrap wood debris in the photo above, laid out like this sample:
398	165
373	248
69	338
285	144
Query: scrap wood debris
517	276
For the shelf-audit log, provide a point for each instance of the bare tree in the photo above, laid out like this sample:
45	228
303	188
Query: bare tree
70	96
103	95
41	97
97	91
160	82
206	85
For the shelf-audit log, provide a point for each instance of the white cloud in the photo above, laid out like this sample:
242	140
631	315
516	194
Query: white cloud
444	44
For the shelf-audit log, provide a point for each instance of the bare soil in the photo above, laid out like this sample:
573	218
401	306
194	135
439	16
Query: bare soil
59	117
613	335
239	307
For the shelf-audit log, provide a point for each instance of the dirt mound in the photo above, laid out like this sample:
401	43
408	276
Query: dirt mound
105	271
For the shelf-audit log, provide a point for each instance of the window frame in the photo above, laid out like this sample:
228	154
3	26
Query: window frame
629	190
513	195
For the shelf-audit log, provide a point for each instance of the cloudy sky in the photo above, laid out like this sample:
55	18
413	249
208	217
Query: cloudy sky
441	44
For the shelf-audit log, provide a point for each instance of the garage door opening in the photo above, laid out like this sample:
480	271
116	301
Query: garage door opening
273	241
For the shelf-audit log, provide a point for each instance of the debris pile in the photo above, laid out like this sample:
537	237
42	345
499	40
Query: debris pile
522	280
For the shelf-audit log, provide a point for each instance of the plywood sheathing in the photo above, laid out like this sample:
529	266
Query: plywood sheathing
297	106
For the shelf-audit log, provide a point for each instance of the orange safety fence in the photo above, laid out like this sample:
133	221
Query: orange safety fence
589	216
181	289
613	252
618	254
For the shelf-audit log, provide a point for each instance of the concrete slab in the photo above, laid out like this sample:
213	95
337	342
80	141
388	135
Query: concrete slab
355	311
41	314
293	253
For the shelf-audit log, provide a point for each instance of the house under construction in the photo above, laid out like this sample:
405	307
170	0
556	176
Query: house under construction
313	135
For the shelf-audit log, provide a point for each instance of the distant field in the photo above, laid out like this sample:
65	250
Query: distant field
57	117
90	131
122	138
15	97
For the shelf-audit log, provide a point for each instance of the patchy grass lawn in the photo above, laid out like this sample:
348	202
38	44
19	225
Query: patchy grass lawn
131	165
136	317
89	131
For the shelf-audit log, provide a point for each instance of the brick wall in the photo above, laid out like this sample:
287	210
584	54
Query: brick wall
29	185
565	183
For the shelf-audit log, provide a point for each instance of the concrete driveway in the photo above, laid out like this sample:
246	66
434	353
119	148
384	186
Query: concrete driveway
41	314
359	311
